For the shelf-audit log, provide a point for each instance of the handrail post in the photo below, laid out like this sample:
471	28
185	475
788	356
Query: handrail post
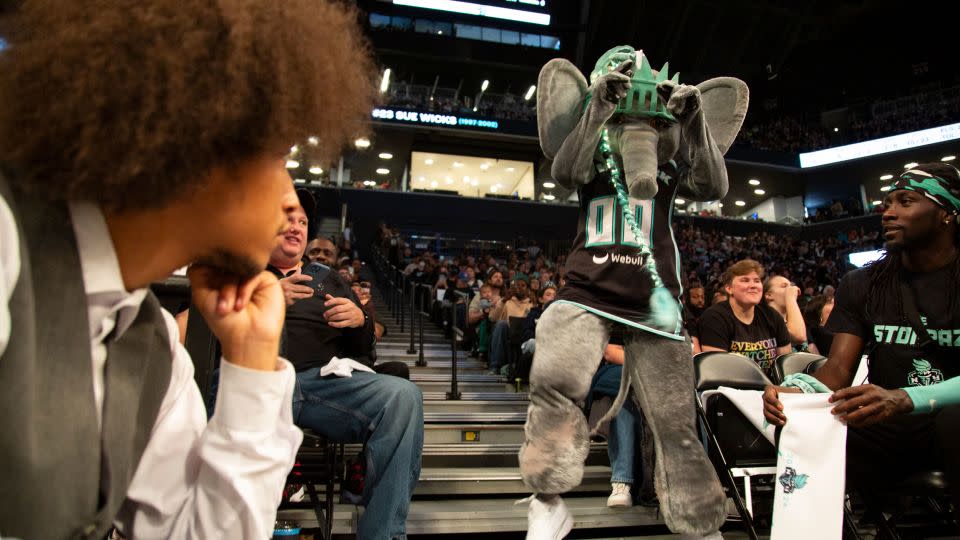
454	333
396	296
421	361
413	312
403	305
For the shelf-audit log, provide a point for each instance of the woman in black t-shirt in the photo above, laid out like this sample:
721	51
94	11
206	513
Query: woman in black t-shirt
745	324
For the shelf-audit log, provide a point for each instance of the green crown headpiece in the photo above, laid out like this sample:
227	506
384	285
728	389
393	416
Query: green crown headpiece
642	99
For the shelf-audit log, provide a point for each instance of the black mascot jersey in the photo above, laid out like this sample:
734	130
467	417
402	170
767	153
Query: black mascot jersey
604	271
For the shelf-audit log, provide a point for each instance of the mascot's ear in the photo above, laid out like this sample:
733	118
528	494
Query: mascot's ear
725	101
561	89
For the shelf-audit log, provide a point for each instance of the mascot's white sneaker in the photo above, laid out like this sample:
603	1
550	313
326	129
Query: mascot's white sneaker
620	495
548	520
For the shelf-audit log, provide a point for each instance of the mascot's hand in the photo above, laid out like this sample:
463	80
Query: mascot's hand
684	100
609	89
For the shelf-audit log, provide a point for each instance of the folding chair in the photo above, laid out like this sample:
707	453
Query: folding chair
795	362
319	462
734	445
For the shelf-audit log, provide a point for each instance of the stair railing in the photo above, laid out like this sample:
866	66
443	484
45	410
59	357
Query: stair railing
456	334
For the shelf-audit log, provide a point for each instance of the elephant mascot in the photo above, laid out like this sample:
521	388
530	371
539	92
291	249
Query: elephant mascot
630	142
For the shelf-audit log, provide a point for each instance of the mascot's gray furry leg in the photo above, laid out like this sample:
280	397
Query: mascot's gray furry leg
661	373
570	344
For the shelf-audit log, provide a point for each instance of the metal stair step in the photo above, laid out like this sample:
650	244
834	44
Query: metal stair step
497	480
466	387
474	407
434	377
476	417
474	397
502	515
472	433
445	363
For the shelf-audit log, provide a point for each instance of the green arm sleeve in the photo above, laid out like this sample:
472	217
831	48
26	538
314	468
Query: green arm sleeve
935	396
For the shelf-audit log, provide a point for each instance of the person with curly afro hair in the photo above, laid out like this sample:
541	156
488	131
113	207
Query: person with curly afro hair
137	138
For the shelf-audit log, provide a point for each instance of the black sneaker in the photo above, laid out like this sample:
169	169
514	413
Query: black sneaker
351	491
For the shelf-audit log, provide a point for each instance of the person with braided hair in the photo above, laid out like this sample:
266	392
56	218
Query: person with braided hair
903	312
630	143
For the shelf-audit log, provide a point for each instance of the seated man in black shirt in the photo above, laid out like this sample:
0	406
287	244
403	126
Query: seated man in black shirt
904	309
745	324
385	413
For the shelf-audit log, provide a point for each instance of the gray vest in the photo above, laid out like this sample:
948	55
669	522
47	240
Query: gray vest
61	477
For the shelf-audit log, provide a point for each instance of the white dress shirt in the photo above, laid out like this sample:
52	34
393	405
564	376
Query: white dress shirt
196	479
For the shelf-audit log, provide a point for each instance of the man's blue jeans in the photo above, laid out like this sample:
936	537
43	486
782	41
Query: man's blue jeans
499	345
626	428
385	413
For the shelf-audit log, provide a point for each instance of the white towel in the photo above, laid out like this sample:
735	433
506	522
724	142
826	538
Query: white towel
811	459
343	367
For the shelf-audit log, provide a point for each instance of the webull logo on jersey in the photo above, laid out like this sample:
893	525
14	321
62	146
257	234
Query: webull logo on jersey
923	374
636	260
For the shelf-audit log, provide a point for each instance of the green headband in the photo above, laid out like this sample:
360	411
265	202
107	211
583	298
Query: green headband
932	187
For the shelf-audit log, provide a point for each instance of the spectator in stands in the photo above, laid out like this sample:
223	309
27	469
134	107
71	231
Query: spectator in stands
516	304
782	295
344	271
815	316
719	297
547	295
906	419
385	413
138	142
323	251
693	310
478	317
745	324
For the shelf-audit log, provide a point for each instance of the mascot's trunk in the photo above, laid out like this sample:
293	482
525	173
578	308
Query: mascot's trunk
638	145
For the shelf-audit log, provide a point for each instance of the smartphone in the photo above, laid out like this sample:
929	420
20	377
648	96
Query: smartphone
319	273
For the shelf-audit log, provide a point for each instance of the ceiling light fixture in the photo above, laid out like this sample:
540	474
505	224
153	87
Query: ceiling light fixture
759	191
316	170
753	182
948	158
885	188
530	91
679	201
383	171
434	184
740	203
292	164
886	177
549	197
457	164
385	81
386	155
910	165
313	141
510	169
428	162
484	85
362	143
549	185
